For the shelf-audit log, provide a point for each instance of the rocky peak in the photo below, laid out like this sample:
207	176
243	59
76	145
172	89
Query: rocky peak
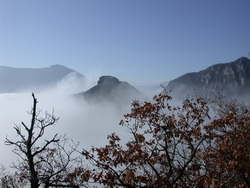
230	79
242	60
108	80
109	89
232	74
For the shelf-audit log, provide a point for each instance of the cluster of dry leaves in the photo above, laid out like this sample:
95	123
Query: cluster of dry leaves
170	146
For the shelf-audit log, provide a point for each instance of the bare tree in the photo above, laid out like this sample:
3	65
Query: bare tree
43	161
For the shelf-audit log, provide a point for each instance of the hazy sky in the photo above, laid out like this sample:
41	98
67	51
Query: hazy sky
135	40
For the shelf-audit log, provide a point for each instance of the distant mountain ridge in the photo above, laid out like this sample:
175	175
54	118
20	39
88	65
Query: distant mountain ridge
229	79
112	90
26	79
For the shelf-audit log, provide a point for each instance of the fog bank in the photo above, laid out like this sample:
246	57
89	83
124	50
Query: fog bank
82	122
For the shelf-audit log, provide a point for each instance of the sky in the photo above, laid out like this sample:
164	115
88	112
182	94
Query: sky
138	41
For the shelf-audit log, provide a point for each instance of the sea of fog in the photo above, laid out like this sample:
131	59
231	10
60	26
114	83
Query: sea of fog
84	123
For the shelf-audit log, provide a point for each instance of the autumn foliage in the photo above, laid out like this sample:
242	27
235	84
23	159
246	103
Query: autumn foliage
227	156
177	147
193	144
164	149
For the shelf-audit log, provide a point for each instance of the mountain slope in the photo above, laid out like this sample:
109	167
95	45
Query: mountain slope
111	90
26	79
229	79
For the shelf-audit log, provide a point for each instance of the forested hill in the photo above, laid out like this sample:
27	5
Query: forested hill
229	79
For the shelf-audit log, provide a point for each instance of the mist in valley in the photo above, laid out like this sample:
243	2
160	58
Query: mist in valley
84	122
88	109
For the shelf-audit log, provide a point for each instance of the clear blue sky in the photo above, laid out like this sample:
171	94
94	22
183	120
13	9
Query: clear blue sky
138	41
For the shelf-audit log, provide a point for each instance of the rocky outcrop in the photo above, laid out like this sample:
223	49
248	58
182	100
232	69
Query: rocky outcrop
111	90
229	79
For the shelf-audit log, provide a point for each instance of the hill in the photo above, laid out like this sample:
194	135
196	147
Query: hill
33	79
111	90
229	79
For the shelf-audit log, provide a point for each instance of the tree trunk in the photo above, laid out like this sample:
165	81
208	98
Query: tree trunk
34	184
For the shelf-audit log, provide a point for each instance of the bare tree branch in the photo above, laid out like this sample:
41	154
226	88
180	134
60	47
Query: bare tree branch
49	163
